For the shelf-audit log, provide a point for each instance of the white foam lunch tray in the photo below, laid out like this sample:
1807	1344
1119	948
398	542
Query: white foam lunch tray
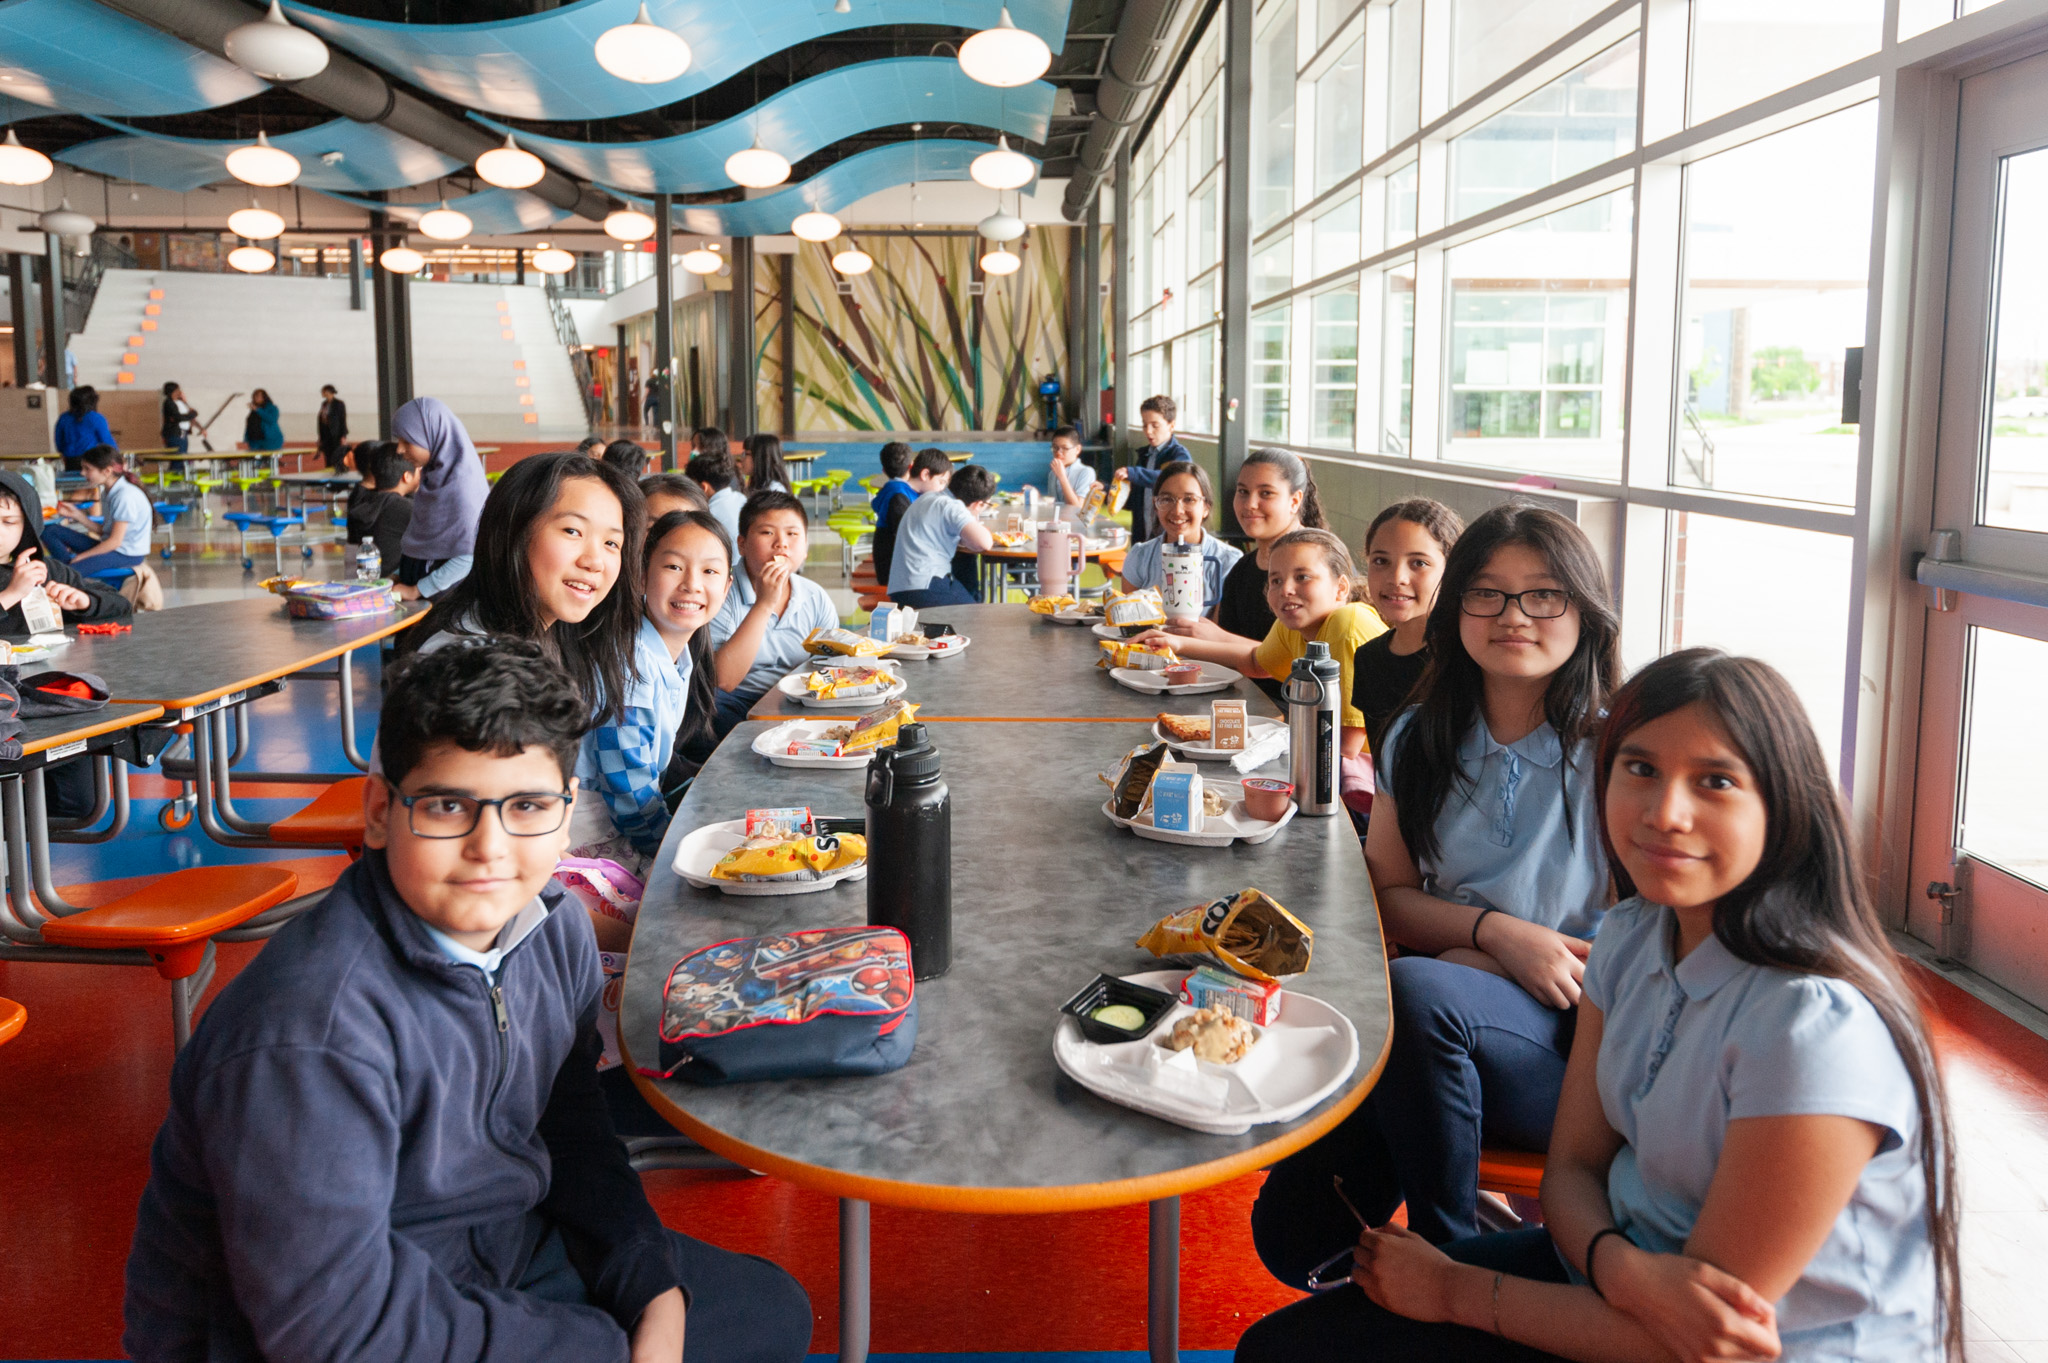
1257	730
951	646
793	686
1215	677
1218	830
701	848
773	744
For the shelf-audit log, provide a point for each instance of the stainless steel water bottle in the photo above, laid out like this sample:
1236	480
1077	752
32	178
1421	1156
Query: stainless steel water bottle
910	850
1315	697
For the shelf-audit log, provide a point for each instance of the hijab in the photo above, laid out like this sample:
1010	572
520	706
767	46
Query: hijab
452	486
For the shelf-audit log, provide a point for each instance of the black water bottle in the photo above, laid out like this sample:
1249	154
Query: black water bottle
910	850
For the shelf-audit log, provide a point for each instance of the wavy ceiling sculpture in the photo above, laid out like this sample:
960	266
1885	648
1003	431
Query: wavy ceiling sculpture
370	156
492	212
77	56
834	187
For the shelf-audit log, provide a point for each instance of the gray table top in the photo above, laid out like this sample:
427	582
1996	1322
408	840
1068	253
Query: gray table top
194	654
1023	666
1046	892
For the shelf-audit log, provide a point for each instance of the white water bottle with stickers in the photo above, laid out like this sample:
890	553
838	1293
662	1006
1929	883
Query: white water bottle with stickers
1180	584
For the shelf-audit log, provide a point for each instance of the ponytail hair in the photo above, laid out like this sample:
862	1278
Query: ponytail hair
1299	478
105	457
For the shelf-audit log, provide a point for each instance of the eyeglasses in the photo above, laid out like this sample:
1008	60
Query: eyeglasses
1543	603
1195	500
531	814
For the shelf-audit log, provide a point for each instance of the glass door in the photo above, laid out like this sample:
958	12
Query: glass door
1980	822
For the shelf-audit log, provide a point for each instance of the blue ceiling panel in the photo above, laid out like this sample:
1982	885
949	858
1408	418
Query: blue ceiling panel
542	66
802	120
371	157
492	212
834	187
78	56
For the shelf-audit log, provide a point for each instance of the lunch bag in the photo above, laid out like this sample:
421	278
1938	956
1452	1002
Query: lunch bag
796	1005
55	693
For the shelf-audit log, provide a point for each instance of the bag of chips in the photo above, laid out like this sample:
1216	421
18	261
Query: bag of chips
1248	932
845	643
1046	605
811	858
1139	609
1145	657
847	683
877	728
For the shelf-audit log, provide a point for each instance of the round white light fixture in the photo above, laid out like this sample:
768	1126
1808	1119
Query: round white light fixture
263	164
67	222
628	224
510	167
643	51
251	259
402	260
1001	168
757	167
21	165
702	261
445	224
815	226
1001	261
853	260
1005	55
257	224
551	260
1001	226
274	49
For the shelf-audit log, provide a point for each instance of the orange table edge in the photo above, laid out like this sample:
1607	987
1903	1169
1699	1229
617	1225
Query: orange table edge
95	729
243	684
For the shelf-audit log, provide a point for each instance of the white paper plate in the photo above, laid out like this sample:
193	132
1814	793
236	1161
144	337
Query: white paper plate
1256	730
1218	830
1300	1060
774	743
700	850
1073	615
1215	677
952	645
793	686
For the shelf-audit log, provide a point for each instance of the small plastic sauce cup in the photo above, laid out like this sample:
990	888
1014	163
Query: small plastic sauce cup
1266	799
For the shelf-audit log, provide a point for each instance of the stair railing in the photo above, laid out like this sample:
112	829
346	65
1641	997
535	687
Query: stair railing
572	341
80	290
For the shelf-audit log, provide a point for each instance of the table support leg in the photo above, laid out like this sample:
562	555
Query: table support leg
853	1281
1162	1288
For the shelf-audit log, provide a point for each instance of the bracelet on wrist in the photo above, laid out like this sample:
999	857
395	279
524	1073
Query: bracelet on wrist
1483	915
1594	1244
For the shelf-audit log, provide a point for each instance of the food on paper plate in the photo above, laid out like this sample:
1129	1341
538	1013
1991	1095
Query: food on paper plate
1253	1000
1184	728
1248	932
1012	539
768	858
1119	1015
847	683
845	643
1143	656
1216	1035
1047	605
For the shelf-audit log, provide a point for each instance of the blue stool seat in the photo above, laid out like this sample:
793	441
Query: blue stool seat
170	511
110	574
275	522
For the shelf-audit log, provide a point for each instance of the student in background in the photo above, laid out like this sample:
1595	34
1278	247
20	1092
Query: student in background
720	480
388	1137
178	419
25	563
121	540
1156	416
760	464
627	456
332	426
380	507
666	492
928	472
591	445
1405	551
1753	1156
710	440
1485	854
1070	481
772	608
261	429
1182	500
440	542
81	427
938	525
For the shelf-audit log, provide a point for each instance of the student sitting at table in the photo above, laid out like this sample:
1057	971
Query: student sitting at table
387	1139
759	632
592	445
1405	550
627	455
1485	853
940	524
81	427
1753	1156
441	541
928	472
1156	416
760	464
25	563
666	492
1070	481
714	472
121	540
1182	500
669	701
380	507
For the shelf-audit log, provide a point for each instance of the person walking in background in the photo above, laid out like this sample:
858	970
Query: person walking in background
260	430
656	386
441	540
332	427
82	427
180	418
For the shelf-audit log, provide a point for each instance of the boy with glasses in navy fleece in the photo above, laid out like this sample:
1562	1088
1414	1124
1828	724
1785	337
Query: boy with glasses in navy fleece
386	1139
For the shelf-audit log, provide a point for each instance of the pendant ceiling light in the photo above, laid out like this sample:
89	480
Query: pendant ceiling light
21	165
263	164
551	260
253	259
273	48
853	260
446	224
1001	261
703	260
643	51
628	224
402	260
1005	55
757	167
257	224
1001	168
509	166
815	226
1001	226
66	222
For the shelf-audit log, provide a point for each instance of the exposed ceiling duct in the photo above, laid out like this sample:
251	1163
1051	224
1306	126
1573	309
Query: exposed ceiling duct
1148	40
356	91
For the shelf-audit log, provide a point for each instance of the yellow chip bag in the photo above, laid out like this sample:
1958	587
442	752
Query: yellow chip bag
1046	605
845	643
1144	657
1144	607
848	683
1248	932
796	859
877	728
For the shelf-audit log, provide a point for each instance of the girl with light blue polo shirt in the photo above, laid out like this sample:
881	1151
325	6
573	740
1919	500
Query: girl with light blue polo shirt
1181	503
1485	853
1753	1156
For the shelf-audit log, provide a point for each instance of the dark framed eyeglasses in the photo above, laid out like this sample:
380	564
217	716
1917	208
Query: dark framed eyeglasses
529	814
1541	603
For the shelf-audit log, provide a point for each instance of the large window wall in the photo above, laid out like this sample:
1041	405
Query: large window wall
1623	250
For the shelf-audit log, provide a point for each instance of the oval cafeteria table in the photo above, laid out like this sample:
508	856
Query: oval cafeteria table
1046	892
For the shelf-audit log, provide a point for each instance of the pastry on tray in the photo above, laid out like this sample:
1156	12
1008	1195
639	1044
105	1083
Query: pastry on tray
1184	728
1216	1035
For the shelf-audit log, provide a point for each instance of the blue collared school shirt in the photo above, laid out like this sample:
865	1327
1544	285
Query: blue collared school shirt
725	509
926	541
619	766
782	647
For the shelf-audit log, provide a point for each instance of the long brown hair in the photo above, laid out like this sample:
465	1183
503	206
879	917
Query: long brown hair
1300	478
1805	908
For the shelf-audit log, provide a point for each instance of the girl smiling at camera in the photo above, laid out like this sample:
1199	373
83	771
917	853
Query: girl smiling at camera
1181	503
1405	549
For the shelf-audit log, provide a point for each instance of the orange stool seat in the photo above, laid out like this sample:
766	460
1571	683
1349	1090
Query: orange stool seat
335	819
1513	1172
12	1015
173	918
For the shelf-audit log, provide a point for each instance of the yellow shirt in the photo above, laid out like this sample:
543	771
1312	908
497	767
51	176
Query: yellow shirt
1348	629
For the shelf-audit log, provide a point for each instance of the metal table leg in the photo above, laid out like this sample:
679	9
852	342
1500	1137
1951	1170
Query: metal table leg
1162	1286
853	1281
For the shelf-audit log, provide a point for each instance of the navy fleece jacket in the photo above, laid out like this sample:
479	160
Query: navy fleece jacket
359	1159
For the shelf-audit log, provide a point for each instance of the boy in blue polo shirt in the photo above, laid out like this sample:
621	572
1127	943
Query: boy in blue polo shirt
927	473
938	526
758	634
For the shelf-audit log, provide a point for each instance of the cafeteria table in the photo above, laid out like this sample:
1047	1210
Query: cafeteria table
996	563
1019	665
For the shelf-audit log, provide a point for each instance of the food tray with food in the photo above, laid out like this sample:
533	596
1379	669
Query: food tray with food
1219	829
1086	613
916	646
1189	736
1281	1070
702	859
798	744
843	688
1213	677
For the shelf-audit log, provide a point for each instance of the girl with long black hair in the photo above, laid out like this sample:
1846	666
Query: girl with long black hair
761	464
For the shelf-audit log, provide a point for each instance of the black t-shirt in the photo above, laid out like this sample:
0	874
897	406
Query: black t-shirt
1380	682
1242	608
